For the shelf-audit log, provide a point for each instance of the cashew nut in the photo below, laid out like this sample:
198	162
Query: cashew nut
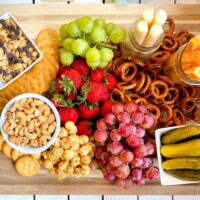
29	111
44	139
16	140
50	118
37	103
22	118
51	127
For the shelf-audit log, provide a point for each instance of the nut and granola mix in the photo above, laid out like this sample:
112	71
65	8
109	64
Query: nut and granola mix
16	51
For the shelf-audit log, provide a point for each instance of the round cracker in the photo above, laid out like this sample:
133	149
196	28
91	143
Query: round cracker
27	166
52	60
1	142
45	43
6	149
15	154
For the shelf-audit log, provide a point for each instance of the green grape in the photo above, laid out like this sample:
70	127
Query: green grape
86	24
88	39
118	35
100	22
79	47
109	27
60	41
98	34
93	65
73	30
63	31
106	54
103	64
66	57
67	43
93	55
61	50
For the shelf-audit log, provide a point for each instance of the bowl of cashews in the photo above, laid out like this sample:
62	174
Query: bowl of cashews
30	123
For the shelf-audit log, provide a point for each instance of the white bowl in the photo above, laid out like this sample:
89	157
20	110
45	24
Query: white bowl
23	149
9	15
165	178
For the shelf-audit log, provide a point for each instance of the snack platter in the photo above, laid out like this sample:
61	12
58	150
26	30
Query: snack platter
40	17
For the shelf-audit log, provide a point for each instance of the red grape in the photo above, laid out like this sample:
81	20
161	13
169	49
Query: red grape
126	156
98	151
124	129
142	108
151	148
140	131
101	124
110	168
136	174
152	173
148	121
109	176
115	148
117	108
132	128
133	140
115	161
123	171
141	182
110	119
137	162
140	151
100	135
130	107
105	156
147	163
137	117
123	117
115	135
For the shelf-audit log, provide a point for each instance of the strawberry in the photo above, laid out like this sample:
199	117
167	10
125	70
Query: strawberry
72	96
68	114
97	76
106	107
111	81
71	77
57	100
55	85
87	111
81	66
93	92
62	68
84	127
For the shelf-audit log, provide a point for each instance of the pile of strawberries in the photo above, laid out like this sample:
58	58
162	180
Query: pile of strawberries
81	95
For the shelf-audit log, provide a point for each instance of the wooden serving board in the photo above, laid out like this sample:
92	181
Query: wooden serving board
34	18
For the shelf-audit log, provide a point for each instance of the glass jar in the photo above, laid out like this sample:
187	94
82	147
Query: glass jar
173	68
132	48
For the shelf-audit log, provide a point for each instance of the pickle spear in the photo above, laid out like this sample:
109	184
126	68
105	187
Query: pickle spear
190	148
185	174
180	134
182	163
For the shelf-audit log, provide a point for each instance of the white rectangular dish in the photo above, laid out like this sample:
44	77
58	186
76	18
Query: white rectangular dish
5	84
165	178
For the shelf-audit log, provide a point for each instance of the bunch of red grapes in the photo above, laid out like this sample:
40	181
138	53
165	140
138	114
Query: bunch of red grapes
124	152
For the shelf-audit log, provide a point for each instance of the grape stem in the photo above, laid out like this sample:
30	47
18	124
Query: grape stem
108	45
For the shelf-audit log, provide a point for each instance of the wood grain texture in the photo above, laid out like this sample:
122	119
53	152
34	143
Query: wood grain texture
51	1
155	197
118	1
120	197
40	16
85	197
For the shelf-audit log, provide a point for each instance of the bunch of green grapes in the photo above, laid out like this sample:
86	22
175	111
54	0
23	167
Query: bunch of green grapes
90	39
